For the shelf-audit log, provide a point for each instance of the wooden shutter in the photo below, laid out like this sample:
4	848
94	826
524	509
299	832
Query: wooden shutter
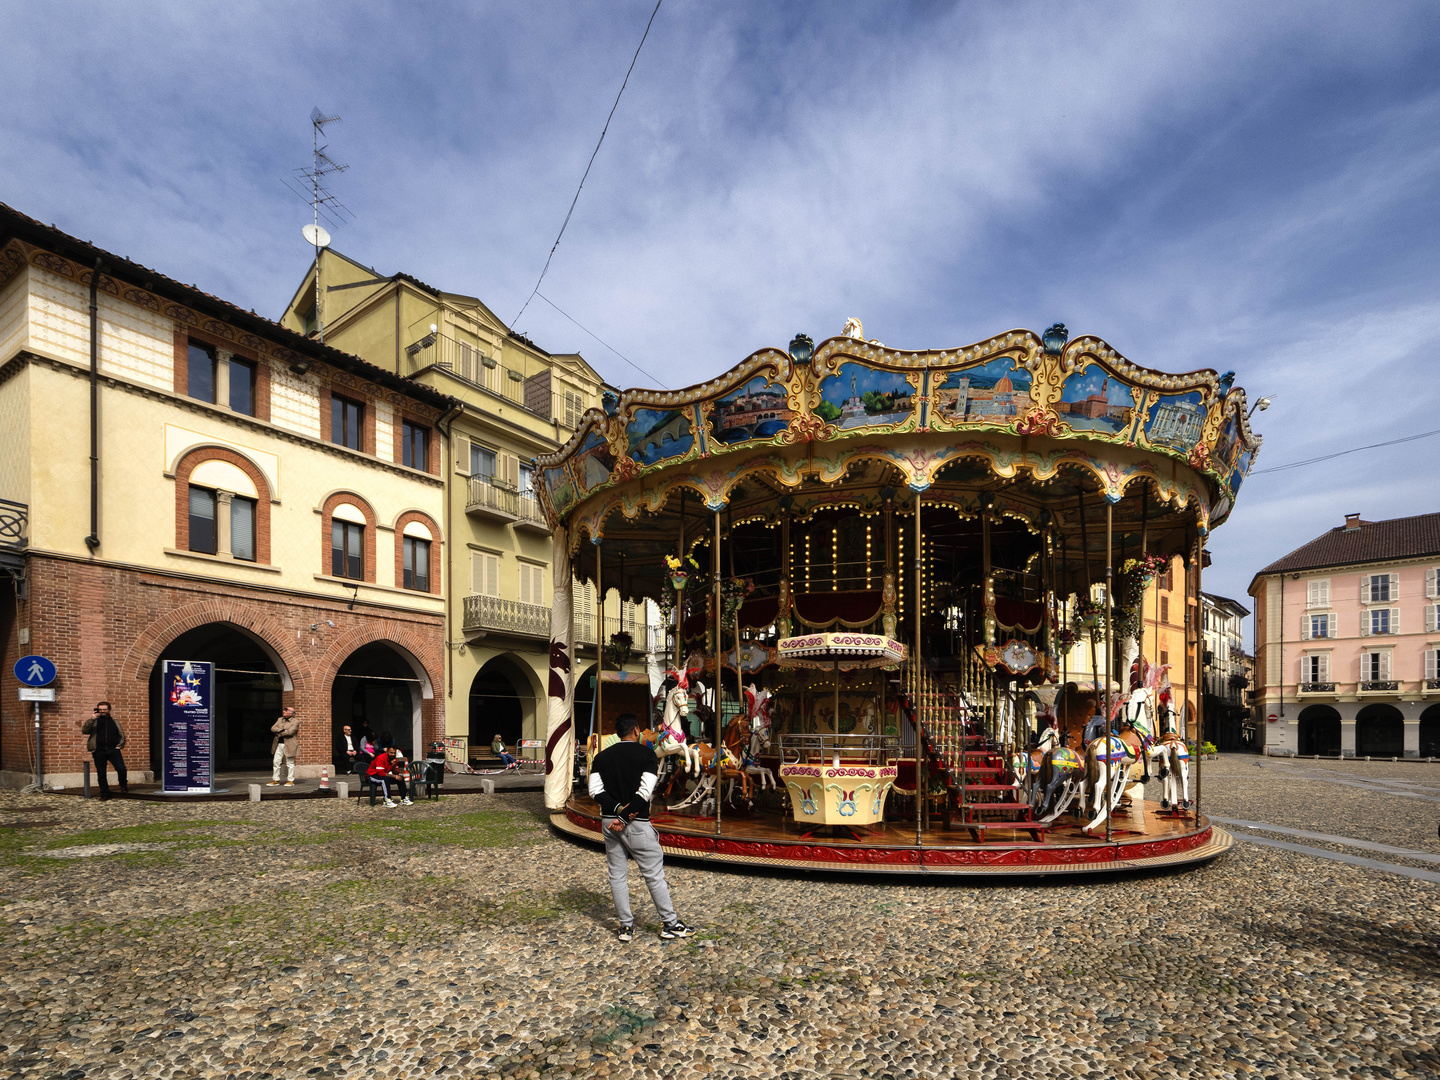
1323	667
1432	663
507	469
1430	613
485	573
1318	593
1385	666
1364	623
1395	620
1395	590
1365	589
462	455
1430	583
532	588
1305	627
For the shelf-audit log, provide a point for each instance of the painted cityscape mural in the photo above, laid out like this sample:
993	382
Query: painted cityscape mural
757	410
857	396
655	434
1177	421
992	393
1093	401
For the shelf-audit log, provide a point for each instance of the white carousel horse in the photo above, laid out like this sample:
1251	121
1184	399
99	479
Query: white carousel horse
730	770
757	705
1107	766
1174	758
672	732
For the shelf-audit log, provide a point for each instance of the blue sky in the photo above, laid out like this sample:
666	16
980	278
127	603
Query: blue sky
1231	185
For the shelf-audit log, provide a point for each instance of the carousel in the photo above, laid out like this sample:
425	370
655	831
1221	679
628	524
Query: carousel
872	565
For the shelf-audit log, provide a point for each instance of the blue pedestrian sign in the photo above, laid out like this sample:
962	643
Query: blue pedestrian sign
34	671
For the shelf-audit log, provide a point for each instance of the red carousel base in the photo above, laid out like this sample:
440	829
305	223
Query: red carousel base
772	842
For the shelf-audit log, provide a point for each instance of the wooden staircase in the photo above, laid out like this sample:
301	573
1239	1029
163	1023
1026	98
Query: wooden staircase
980	790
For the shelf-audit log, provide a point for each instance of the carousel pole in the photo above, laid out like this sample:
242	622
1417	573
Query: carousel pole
917	660
719	670
1109	632
1094	655
599	638
680	596
1199	674
739	674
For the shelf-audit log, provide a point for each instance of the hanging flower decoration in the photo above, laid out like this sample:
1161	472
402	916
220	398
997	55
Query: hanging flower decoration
1130	583
1063	639
1087	617
620	649
679	576
733	592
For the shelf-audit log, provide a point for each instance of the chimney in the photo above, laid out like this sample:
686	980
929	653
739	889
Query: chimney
1352	523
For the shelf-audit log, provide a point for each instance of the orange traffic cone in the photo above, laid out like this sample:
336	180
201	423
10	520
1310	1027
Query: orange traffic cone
324	777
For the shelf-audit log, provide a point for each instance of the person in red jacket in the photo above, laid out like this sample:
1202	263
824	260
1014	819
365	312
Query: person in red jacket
385	770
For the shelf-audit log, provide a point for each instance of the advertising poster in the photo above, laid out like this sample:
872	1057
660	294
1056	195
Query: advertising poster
188	760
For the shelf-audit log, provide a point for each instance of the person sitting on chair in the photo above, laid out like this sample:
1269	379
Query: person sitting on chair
385	770
497	747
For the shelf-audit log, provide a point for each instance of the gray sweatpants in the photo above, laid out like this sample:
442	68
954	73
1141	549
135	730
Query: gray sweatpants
640	841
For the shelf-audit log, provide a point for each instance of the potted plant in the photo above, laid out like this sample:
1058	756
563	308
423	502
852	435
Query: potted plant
619	651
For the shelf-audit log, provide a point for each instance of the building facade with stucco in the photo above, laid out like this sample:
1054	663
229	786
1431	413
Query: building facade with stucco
253	498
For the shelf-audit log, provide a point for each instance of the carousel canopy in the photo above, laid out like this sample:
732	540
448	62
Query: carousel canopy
848	650
1033	432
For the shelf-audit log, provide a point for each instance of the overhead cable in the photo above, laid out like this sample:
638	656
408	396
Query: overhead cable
573	201
658	381
1342	453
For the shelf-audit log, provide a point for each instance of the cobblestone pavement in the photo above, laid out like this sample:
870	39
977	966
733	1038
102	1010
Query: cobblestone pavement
463	938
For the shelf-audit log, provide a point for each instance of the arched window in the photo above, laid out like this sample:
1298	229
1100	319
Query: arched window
347	537
222	506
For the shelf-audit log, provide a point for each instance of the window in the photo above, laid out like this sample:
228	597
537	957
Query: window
482	462
1166	580
1317	593
1379	588
1432	664
1375	667
1317	626
1315	669
242	387
1381	620
202	520
1164	657
532	584
415	445
484	574
200	373
417	563
242	528
345	418
1432	618
1164	609
346	548
527	478
574	408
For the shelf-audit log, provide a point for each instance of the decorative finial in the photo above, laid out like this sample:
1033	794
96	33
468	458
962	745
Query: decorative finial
801	348
1055	339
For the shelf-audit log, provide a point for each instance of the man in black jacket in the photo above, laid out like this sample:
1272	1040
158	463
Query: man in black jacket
105	743
622	779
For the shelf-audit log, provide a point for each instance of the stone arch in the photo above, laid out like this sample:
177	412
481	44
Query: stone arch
187	464
1380	731
506	698
1318	731
261	629
1430	732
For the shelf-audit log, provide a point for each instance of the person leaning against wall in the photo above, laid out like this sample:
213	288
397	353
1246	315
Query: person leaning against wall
105	743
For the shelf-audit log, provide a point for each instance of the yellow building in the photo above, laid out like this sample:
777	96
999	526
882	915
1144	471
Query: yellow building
189	481
517	401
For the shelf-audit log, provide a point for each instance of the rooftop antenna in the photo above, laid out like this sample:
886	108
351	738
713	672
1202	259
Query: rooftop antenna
323	203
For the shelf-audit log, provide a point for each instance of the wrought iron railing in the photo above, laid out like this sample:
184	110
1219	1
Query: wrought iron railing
489	494
822	748
1317	688
1432	684
14	525
1380	684
528	510
507	616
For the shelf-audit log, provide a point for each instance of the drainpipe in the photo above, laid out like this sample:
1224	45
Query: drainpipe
447	466
93	540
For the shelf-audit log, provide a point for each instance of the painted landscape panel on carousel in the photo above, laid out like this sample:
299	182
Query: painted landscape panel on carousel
1227	446
1096	401
657	434
1177	421
1241	470
858	396
992	393
594	461
561	489
757	410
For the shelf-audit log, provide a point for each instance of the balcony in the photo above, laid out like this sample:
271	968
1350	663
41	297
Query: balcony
491	614
1432	684
489	498
1317	688
532	385
1380	686
529	515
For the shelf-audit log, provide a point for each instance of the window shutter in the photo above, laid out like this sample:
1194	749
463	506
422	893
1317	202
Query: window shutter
1394	597
1430	583
1365	589
1364	624
1394	620
485	574
1385	666
1324	667
1432	662
1430	610
1304	627
462	455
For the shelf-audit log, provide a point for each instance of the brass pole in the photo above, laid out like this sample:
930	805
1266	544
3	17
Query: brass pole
599	640
917	661
1109	633
1199	673
719	670
680	595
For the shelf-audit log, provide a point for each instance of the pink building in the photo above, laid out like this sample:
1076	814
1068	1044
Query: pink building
1346	642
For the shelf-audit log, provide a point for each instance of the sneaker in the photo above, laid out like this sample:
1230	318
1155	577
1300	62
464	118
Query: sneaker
625	933
289	783
390	804
676	929
273	783
406	801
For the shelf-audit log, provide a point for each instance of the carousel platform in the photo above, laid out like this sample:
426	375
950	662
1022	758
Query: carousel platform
774	842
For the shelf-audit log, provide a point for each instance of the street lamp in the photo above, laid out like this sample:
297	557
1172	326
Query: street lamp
1259	406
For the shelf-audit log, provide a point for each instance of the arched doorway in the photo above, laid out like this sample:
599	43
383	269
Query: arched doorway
249	681
1319	731
502	700
1430	732
1380	731
379	687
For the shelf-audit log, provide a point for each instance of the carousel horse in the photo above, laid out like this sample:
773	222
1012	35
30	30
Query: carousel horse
869	722
672	732
1107	766
757	706
1060	779
1135	733
729	770
1174	758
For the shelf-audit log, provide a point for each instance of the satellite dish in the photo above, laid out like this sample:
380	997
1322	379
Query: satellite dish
315	236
